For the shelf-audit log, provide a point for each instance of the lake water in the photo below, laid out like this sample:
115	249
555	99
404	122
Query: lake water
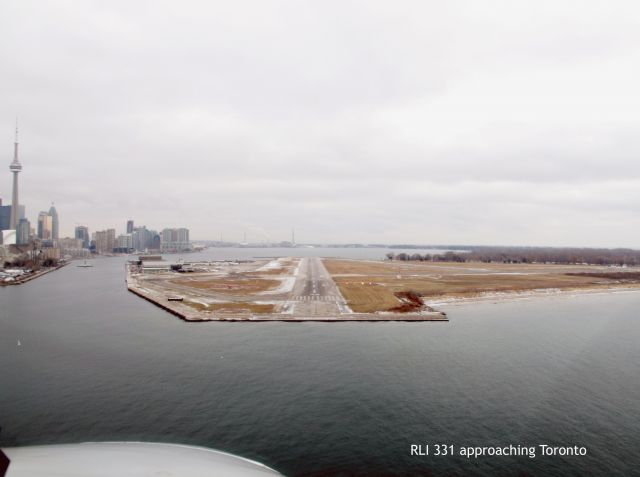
97	363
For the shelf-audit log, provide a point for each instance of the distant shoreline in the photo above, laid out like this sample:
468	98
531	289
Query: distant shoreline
504	297
32	276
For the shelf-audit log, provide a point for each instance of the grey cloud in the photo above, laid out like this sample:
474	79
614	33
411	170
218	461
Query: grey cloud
450	122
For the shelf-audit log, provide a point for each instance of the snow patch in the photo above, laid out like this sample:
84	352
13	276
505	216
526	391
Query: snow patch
273	264
286	285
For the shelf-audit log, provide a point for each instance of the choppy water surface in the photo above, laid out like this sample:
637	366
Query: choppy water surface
97	363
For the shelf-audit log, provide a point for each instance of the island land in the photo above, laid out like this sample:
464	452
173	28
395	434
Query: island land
369	286
334	290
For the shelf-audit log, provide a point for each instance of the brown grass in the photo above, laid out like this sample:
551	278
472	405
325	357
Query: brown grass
230	286
367	299
356	267
233	307
370	286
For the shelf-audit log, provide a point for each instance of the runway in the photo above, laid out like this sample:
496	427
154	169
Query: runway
314	292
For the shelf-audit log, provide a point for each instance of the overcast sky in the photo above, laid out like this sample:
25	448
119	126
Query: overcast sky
467	122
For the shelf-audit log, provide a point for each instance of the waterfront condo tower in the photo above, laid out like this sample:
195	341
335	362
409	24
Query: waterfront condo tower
15	167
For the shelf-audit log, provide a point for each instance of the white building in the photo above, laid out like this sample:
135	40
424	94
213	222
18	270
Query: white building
125	242
175	241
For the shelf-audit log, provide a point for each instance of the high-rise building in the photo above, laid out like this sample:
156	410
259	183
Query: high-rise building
5	221
105	241
156	242
54	223
15	167
143	238
124	243
22	232
45	226
129	226
5	216
175	240
72	246
183	235
111	239
82	233
101	241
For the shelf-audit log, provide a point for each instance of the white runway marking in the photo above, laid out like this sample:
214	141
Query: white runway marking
314	298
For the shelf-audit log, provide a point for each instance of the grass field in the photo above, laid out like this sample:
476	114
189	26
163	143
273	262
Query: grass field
229	286
367	298
370	286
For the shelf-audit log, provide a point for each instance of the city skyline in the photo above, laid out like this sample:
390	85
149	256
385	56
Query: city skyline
510	126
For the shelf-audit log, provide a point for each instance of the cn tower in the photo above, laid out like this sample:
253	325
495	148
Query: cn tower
15	167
